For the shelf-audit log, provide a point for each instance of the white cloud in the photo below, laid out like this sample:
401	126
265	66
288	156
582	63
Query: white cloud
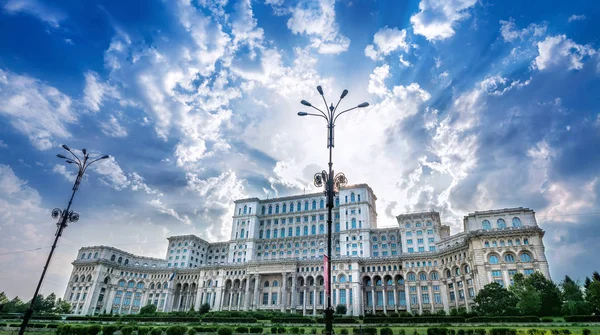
403	62
62	170
498	85
43	12
39	111
112	128
377	80
510	32
95	92
316	18
576	18
161	207
385	41
3	145
436	19
111	174
561	52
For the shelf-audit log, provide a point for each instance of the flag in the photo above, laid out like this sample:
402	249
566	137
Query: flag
326	267
173	275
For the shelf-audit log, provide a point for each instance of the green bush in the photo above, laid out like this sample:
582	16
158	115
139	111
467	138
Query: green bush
225	331
148	310
293	319
294	330
143	330
479	331
175	330
109	329
128	330
273	330
241	330
153	331
364	331
461	332
386	331
313	331
281	330
401	332
547	320
586	331
437	331
582	318
503	331
228	320
191	331
344	331
93	330
256	330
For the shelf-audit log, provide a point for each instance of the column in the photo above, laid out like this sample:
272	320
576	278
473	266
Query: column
111	299
221	300
314	301
256	283
229	298
396	300
283	297
384	294
444	288
294	293
247	295
373	299
455	295
198	300
304	301
420	302
239	299
407	298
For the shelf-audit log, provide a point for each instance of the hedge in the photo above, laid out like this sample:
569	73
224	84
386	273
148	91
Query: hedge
582	318
293	320
503	331
386	331
175	330
364	330
109	329
241	330
205	329
514	319
256	330
228	320
425	319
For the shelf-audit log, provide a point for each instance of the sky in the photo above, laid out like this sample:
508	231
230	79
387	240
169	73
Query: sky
474	105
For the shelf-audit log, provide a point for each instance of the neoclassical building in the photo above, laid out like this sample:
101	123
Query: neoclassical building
273	261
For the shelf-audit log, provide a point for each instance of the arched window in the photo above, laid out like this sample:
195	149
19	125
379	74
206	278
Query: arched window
314	204
342	279
457	271
516	222
352	197
525	241
270	209
75	279
322	204
525	257
313	229
122	283
120	260
152	286
260	234
400	281
268	233
140	285
89	256
299	206
368	282
486	225
493	259
305	230
266	283
435	276
158	286
283	208
501	223
321	229
245	209
358	197
291	207
448	274
275	233
389	282
112	258
242	233
126	261
422	276
83	256
412	277
282	232
275	283
262	210
95	255
306	205
337	202
509	258
297	231
276	209
467	269
353	223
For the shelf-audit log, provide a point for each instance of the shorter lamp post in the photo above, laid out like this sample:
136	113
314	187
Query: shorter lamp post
63	216
332	185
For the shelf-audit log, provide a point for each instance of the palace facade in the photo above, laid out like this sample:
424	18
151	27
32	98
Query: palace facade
274	261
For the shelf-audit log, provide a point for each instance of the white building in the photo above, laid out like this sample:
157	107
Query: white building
273	261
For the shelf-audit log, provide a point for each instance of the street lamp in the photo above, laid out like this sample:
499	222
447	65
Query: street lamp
64	216
332	185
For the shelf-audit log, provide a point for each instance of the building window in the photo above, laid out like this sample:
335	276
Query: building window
486	225
501	224
509	258
493	259
516	222
525	257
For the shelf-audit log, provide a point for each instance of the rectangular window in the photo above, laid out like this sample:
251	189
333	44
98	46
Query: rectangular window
274	298
452	296
343	296
390	298
528	272
409	241
500	281
370	299
471	292
266	298
419	232
413	299
411	250
430	240
436	287
429	231
379	298
496	273
421	249
425	298
420	240
431	248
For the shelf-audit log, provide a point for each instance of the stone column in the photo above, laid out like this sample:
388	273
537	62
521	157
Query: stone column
111	298
247	295
444	288
373	298
396	300
198	300
256	284
314	292
419	299
384	295
407	298
283	297
304	301
294	293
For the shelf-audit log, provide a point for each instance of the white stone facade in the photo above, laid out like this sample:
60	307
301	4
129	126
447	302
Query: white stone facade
273	261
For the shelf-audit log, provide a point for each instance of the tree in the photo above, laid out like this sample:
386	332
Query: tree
577	308
204	308
530	302
571	290
494	299
548	291
587	282
48	304
148	309
596	276
62	307
340	309
592	295
3	301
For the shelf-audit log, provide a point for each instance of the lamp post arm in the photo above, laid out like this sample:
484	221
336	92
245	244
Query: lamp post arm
347	110
77	158
320	111
319	115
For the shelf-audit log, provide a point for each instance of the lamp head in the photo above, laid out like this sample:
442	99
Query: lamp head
84	151
305	103
344	93
320	89
302	113
70	161
61	156
105	157
364	104
66	147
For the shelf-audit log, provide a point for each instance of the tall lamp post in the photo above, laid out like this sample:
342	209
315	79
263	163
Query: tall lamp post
64	216
332	185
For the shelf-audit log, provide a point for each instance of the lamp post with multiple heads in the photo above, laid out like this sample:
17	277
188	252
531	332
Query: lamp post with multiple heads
64	216
332	185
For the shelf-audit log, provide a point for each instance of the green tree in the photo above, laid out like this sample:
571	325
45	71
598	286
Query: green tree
494	299
592	295
204	308
530	302
341	309
587	282
16	305
48	305
571	291
596	276
548	291
3	301
148	309
62	307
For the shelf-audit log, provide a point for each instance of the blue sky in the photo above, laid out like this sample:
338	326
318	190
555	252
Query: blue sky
475	105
